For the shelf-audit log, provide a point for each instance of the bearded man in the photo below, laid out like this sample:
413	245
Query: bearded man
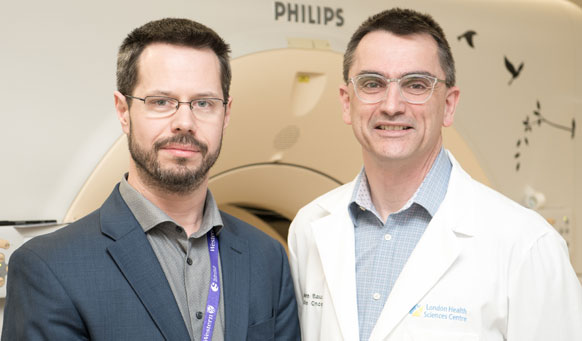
158	261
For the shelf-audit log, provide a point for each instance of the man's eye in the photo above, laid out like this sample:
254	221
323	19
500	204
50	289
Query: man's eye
418	84
203	104
371	84
161	102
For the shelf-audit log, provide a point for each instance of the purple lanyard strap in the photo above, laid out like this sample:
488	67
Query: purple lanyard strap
213	289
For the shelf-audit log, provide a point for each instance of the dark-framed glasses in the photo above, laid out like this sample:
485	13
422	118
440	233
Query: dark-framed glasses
162	106
413	88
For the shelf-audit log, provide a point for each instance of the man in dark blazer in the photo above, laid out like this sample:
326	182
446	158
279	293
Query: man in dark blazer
145	265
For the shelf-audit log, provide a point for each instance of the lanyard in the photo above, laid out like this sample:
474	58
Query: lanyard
213	289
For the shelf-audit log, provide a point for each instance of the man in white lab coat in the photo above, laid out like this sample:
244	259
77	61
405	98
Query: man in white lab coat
414	248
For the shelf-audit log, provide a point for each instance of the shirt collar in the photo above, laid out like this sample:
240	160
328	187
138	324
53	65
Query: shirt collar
429	194
149	215
433	189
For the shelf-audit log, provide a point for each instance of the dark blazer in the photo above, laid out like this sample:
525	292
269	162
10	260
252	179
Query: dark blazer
99	279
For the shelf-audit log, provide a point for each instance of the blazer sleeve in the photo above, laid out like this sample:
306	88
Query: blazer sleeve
37	306
287	323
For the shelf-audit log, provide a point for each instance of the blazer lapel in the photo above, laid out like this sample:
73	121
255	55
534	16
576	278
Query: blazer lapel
439	247
235	262
132	253
334	237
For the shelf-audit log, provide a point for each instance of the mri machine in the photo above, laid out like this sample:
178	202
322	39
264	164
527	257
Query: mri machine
519	67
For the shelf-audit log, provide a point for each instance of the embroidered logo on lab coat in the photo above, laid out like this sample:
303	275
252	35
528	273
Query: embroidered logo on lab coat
416	311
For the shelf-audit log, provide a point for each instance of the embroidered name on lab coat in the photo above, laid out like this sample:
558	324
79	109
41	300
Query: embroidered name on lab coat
313	300
441	312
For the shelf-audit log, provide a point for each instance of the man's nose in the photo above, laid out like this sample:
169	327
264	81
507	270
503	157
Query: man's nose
183	119
393	103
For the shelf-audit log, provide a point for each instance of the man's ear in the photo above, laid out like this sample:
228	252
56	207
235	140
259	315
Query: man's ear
122	110
227	114
451	101
344	97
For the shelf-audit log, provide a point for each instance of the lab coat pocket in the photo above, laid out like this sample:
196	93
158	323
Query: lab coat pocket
439	335
264	330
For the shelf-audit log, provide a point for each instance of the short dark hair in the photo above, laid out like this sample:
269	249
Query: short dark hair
403	22
182	32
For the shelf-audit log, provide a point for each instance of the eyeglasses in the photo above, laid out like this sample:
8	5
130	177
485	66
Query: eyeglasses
413	88
161	106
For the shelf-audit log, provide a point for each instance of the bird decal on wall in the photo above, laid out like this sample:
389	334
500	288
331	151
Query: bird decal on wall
514	72
531	122
468	37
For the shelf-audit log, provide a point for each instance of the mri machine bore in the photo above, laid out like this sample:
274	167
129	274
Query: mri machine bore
286	143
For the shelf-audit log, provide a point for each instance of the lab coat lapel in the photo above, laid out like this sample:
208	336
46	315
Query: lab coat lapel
334	237
439	247
135	258
235	263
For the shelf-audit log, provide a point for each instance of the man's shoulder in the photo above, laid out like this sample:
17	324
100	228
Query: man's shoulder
79	237
66	241
321	207
493	199
327	202
498	214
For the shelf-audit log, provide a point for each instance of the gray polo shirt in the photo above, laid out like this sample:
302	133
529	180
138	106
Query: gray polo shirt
184	260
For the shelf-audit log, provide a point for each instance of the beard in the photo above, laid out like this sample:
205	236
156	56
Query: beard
178	179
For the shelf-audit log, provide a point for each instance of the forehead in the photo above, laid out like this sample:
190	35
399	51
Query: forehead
169	65
394	55
170	53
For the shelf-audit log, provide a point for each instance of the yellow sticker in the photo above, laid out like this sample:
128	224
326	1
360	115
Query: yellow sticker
303	78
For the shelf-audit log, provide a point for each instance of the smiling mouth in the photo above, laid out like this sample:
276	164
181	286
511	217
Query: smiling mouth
391	127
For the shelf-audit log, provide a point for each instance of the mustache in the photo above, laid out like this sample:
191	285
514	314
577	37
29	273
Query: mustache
183	139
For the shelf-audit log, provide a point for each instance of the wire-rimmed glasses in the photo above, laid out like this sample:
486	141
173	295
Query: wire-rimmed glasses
162	106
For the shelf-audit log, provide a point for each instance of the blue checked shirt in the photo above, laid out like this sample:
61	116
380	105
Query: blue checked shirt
382	248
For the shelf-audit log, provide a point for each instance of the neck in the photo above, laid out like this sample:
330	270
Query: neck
394	182
186	209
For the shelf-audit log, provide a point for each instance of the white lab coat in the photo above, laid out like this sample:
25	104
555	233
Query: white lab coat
486	268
